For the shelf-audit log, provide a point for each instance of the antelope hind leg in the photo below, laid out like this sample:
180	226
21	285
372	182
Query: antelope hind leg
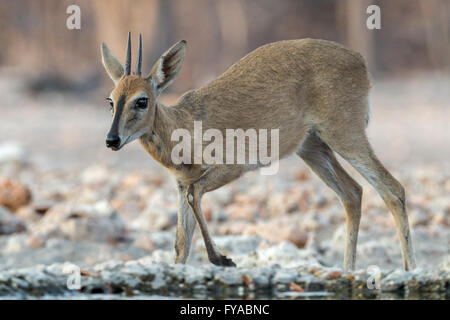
320	158
361	156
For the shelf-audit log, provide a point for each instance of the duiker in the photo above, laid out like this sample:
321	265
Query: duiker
314	91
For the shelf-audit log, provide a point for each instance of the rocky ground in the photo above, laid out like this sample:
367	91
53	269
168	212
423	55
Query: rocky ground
67	201
285	233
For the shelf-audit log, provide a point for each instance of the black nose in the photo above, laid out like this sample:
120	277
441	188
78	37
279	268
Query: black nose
112	141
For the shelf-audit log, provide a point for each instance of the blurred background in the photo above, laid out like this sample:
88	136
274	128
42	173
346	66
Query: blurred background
54	119
414	35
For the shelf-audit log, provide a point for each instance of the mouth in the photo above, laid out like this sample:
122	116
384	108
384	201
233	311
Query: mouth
114	148
128	140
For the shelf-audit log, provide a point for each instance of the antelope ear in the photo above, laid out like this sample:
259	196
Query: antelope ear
166	69
111	64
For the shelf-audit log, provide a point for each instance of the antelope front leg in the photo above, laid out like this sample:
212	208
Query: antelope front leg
194	196
212	179
185	226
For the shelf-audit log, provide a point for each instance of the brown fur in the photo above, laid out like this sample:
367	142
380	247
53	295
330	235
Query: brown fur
314	91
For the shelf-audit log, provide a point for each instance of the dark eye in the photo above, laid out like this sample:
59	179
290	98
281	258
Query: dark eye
141	103
111	103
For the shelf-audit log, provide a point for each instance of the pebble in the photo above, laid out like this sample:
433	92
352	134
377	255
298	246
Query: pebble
10	223
11	152
13	194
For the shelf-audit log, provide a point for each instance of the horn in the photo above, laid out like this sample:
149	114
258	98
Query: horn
139	59
128	59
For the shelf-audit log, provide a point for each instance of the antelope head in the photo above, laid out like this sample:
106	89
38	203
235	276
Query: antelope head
133	99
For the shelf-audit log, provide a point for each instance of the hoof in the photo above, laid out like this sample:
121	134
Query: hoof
222	261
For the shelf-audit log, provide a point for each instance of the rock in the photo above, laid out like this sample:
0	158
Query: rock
359	280
245	211
36	241
427	281
297	237
35	210
280	203
55	269
285	276
155	240
193	275
144	276
285	254
13	194
229	277
27	213
442	218
295	287
419	218
395	280
111	266
375	252
314	222
310	282
261	277
14	243
155	218
160	214
333	275
222	196
207	213
135	179
12	153
287	229
97	222
42	206
445	264
134	268
163	256
302	175
9	223
96	175
157	272
236	244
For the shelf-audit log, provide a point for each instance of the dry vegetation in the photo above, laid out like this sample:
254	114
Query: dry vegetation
414	35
